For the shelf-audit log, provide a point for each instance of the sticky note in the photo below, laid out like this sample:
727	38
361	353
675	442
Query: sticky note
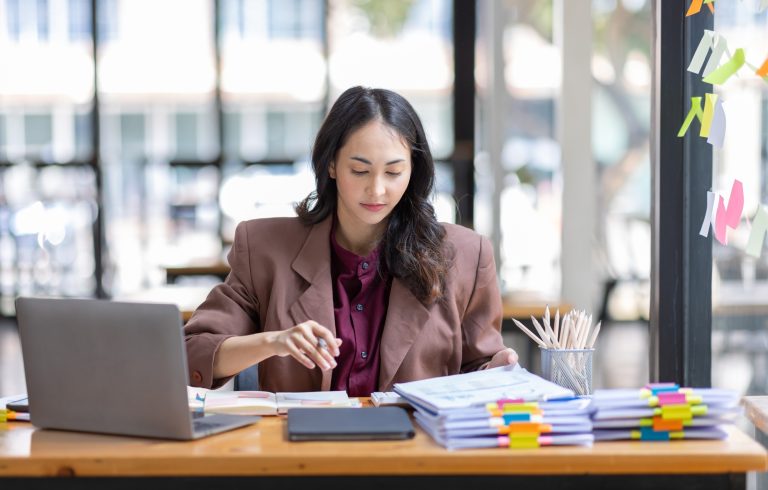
757	234
648	434
729	216
695	111
709	112
727	69
717	129
763	70
704	231
695	8
710	40
671	398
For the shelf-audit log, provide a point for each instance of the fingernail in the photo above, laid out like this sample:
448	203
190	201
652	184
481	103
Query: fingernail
326	366
334	364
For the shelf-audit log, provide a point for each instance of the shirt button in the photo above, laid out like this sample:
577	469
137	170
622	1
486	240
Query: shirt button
359	307
364	355
365	265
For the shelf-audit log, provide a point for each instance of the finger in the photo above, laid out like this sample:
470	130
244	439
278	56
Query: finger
299	355
319	331
317	355
512	357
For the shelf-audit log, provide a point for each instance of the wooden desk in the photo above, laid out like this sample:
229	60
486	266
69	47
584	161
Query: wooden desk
756	410
218	269
262	451
187	298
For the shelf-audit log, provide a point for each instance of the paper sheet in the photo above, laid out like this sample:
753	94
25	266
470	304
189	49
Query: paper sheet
695	111
717	130
757	235
727	69
729	216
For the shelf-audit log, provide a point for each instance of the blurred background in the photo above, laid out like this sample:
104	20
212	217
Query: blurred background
129	153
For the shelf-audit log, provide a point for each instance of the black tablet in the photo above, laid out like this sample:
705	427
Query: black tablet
349	424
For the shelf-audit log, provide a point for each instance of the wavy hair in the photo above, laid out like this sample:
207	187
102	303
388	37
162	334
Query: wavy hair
413	242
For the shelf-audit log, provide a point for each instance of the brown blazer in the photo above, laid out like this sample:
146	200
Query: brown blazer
281	276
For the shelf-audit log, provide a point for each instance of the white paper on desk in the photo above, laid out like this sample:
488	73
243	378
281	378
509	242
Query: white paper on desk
479	388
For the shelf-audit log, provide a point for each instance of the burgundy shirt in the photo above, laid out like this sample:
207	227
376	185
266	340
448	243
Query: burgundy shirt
360	297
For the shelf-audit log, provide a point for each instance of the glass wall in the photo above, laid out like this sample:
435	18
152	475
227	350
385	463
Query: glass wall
47	183
740	279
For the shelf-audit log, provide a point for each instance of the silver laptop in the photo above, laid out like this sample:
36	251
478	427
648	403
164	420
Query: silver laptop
118	368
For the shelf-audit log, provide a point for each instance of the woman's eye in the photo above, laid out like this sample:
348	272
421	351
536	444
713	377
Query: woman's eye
394	174
359	172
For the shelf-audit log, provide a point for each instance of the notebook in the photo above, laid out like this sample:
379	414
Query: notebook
265	402
349	424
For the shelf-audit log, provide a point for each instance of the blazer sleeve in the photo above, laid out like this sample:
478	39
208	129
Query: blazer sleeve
481	325
230	309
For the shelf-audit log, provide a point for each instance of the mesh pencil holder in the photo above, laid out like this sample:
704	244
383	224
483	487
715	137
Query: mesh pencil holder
569	368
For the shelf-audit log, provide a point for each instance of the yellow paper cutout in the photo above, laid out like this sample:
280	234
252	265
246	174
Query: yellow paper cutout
709	111
695	111
727	69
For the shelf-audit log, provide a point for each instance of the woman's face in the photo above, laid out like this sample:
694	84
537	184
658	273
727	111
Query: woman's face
372	171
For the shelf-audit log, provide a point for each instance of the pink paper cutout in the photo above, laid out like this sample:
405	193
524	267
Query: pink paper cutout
729	215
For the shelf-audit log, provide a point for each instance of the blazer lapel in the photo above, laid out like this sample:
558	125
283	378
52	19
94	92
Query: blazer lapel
313	263
406	316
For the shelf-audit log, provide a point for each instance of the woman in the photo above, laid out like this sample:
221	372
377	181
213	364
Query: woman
365	288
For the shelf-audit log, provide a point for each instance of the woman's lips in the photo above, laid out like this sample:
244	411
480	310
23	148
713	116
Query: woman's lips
373	207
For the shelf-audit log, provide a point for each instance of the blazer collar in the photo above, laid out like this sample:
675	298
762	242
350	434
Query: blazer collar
313	263
406	317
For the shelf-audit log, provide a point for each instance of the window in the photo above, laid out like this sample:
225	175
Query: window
79	20
295	19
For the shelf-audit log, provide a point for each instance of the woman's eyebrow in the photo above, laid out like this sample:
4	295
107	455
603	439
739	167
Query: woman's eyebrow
361	159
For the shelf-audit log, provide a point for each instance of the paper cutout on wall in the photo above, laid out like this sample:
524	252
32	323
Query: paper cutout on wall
695	8
710	40
757	235
695	111
727	69
708	216
729	216
763	70
717	130
709	112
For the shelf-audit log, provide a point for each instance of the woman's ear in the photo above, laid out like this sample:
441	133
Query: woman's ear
332	170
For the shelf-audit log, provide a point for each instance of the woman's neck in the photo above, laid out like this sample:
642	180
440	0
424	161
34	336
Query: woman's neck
358	239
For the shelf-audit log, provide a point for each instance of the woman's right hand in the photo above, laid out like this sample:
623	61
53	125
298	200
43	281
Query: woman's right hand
301	342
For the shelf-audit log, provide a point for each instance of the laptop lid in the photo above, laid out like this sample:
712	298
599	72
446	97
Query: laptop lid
102	366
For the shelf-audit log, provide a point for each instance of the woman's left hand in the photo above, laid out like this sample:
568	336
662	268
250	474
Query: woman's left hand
503	358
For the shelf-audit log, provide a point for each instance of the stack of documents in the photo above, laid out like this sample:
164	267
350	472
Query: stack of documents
501	407
662	412
265	402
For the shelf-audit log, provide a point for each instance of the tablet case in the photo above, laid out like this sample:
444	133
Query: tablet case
349	424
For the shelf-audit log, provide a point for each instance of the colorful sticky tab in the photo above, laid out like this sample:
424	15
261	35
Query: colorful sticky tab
648	434
528	428
727	69
667	424
524	443
695	111
682	412
508	418
505	401
662	387
757	234
671	398
729	216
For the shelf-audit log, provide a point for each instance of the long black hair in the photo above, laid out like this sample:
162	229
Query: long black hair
412	244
